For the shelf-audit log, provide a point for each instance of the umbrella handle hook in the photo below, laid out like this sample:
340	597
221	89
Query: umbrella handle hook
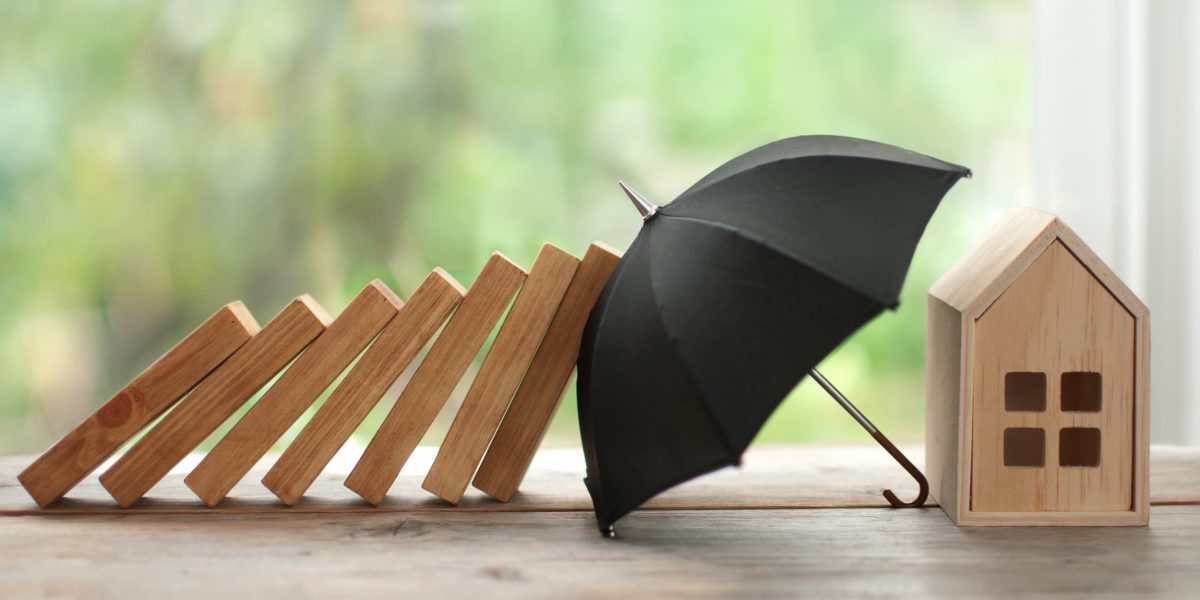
866	423
916	473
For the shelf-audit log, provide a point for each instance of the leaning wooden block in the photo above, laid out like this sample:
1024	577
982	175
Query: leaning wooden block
214	400
160	386
501	373
528	417
393	350
435	379
295	391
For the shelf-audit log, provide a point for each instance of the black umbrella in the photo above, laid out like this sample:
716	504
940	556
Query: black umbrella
731	294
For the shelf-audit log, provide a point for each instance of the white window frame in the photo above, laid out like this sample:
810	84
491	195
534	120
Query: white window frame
1117	156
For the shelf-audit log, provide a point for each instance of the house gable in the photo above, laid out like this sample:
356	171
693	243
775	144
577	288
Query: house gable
973	283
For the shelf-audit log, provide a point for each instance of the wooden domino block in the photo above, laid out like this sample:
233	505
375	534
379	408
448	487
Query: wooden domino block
435	379
295	391
214	400
528	417
156	389
388	356
500	374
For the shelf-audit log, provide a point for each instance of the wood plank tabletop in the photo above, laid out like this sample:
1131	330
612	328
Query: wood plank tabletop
794	520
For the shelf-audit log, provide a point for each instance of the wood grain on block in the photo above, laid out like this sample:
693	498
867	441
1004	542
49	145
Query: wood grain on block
156	389
295	391
384	361
214	400
943	409
528	417
501	373
435	379
1056	316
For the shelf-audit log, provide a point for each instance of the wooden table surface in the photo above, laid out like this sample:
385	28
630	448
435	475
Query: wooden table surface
794	520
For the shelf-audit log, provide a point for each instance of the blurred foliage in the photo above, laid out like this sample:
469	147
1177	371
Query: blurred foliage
162	158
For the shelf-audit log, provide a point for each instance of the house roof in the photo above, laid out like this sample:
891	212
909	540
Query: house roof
973	283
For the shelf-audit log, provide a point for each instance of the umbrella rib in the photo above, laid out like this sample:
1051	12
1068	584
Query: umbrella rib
758	240
671	341
614	282
696	188
729	445
627	507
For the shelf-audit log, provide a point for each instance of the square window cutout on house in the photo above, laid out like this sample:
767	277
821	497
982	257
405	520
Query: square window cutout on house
1024	447
1081	391
1079	447
1024	392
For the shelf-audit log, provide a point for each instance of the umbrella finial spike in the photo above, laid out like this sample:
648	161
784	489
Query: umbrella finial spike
645	207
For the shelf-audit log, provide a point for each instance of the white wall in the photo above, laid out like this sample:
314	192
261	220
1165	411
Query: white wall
1117	155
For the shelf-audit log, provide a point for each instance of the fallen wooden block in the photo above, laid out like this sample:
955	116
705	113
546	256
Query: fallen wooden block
214	400
528	417
435	379
501	373
156	389
384	361
295	391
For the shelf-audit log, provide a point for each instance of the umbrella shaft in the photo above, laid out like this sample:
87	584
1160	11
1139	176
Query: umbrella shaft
844	401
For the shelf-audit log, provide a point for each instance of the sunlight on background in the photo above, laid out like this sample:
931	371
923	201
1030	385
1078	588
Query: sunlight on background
161	159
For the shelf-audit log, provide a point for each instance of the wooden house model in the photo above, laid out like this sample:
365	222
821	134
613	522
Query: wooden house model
1037	383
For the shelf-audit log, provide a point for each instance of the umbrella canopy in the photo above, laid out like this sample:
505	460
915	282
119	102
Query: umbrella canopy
734	291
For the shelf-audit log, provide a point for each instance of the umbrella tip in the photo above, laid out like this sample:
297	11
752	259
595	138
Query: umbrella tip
644	207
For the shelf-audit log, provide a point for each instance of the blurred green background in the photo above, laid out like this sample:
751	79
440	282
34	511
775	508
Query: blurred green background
159	159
